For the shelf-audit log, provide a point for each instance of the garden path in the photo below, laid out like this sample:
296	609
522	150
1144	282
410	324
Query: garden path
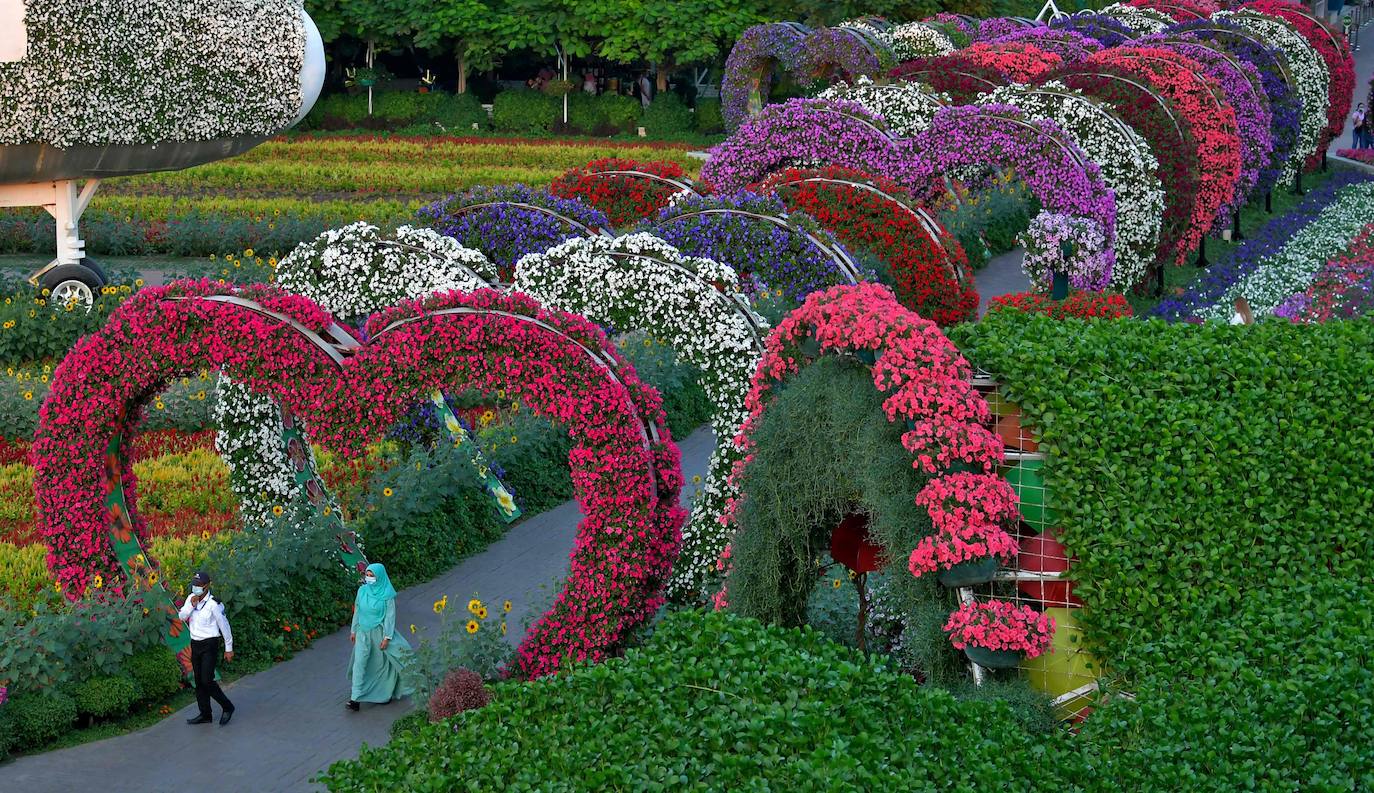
293	723
1364	71
1002	275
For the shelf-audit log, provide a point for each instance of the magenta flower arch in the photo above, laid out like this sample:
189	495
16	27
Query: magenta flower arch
1046	159
809	133
749	68
626	469
841	53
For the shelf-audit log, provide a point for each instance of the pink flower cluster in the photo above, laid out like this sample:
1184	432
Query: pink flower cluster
627	485
970	513
999	625
926	385
1018	61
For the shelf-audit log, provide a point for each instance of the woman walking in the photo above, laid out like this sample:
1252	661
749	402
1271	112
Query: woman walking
379	654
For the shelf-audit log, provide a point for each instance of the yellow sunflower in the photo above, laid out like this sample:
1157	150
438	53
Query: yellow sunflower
472	626
506	607
474	605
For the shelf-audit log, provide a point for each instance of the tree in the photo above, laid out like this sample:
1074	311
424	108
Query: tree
472	29
672	33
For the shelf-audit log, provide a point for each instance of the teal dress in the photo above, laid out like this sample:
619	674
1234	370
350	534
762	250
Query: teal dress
376	673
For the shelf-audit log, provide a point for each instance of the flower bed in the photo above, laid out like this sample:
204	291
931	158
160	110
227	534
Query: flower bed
1078	305
623	198
807	132
1359	155
926	264
1000	626
1342	289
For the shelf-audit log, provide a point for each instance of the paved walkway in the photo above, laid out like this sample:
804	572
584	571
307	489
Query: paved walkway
1001	276
291	722
1364	70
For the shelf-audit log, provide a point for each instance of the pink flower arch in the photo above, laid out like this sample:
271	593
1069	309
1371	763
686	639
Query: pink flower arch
626	469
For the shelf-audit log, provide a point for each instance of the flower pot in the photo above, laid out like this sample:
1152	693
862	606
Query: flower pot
1066	665
1027	480
1013	434
974	571
993	659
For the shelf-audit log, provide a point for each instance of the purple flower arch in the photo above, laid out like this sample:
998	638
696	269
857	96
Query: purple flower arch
759	51
809	132
842	52
1110	32
1045	158
1071	45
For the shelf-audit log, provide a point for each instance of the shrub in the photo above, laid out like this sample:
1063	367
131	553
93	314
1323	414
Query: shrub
457	113
534	454
524	112
156	672
105	696
708	116
461	690
667	115
586	114
621	112
38	717
409	723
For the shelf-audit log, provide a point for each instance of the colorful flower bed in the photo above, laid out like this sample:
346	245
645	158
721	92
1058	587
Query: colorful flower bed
1342	289
1359	155
927	265
1078	305
624	198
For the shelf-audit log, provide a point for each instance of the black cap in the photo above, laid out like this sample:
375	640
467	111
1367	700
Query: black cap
201	578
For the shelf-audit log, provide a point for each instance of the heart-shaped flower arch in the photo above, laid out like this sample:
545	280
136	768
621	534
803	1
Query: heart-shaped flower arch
626	470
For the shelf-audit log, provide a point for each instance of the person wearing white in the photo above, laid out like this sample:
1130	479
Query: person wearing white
204	617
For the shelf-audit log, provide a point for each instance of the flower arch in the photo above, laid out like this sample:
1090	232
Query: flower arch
1046	159
625	190
1016	61
1178	10
807	131
963	80
626	467
757	54
1139	20
842	54
926	263
1129	169
694	305
919	40
1108	31
906	107
1067	44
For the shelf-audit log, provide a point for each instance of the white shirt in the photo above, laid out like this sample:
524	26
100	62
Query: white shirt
206	620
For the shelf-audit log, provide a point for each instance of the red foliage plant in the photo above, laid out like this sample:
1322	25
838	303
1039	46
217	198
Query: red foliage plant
462	689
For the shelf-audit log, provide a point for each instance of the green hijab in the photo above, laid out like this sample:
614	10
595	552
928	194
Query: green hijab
372	598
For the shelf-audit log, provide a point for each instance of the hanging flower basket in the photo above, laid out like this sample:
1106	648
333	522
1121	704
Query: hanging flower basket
993	659
974	571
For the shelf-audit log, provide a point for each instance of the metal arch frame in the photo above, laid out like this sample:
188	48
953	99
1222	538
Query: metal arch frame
905	85
796	27
648	430
756	331
1098	106
436	255
881	23
1216	101
1302	12
863	38
850	116
1229	57
1242	32
1184	9
918	212
587	230
1069	148
837	255
342	345
907	76
653	177
1159	100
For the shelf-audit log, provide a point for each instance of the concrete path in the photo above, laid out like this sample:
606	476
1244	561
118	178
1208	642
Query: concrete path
1001	276
291	722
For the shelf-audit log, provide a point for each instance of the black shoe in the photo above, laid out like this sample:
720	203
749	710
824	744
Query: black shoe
201	719
353	705
225	717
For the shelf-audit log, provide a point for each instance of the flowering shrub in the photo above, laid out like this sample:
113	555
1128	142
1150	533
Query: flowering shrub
627	483
906	108
623	198
640	282
1067	44
1127	166
999	625
1078	305
1045	158
1240	82
225	71
351	272
927	265
1106	30
461	689
750	65
794	257
919	40
925	383
1308	71
807	132
1016	61
1087	266
971	514
487	219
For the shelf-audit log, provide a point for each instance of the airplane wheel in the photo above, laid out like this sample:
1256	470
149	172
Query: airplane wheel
75	284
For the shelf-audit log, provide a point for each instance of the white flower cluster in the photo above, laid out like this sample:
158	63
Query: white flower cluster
919	40
640	282
1129	169
100	72
351	272
907	107
1291	268
1141	20
1308	71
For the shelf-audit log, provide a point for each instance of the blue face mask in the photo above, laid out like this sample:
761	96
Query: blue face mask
197	590
369	579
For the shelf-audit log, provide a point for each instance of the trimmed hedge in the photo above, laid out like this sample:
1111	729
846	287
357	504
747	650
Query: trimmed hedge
456	113
524	112
709	119
667	115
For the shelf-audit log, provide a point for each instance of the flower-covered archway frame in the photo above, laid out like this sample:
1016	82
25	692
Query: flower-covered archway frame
626	470
842	54
627	191
758	53
693	305
906	107
809	131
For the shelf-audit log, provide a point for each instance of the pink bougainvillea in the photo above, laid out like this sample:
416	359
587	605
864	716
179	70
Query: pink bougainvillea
926	386
999	625
627	484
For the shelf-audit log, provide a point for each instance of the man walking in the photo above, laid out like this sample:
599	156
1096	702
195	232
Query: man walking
204	616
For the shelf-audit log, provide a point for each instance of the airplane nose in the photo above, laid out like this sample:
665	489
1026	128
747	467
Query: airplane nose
312	68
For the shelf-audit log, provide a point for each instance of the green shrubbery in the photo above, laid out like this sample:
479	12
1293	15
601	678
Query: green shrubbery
108	695
988	222
454	113
709	119
667	115
525	112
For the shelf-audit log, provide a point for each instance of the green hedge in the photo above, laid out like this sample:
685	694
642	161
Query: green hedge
455	113
667	115
711	702
1216	484
525	112
709	119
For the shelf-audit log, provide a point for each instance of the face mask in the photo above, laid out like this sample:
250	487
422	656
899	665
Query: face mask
197	590
369	579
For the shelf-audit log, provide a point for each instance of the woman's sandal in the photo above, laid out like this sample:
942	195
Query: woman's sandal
353	706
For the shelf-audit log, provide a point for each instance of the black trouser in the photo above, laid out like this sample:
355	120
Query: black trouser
204	656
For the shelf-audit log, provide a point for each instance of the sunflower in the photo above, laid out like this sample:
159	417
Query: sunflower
277	510
503	627
99	582
472	626
412	627
475	605
205	535
838	583
506	607
441	604
388	492
482	613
